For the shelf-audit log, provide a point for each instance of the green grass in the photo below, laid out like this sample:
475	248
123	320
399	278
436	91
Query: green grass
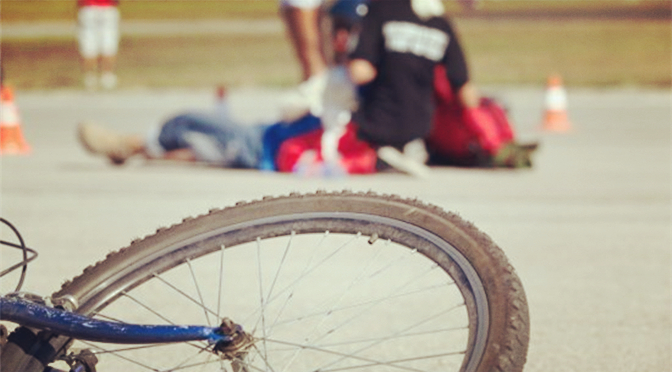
590	43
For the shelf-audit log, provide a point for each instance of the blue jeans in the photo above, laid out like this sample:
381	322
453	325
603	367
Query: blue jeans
221	141
214	139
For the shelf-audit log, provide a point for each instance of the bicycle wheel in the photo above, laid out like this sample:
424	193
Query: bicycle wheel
321	282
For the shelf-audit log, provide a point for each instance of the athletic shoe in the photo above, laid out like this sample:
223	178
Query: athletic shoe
108	80
102	141
514	155
407	163
417	151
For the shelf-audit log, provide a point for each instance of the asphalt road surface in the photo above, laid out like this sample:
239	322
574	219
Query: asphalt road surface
588	228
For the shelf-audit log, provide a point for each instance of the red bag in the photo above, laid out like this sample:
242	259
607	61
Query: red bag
462	135
357	156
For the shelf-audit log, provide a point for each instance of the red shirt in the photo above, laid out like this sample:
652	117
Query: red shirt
97	2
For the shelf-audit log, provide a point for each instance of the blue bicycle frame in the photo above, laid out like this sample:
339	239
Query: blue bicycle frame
32	314
81	327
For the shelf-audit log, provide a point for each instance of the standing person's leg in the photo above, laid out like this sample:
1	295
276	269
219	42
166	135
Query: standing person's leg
88	45
302	18
303	22
109	46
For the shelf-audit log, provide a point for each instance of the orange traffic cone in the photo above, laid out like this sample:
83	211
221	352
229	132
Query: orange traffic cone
11	136
555	116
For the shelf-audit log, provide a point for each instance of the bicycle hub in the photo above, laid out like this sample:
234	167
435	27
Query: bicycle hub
238	341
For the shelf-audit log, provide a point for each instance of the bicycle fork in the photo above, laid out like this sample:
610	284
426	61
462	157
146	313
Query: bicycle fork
230	341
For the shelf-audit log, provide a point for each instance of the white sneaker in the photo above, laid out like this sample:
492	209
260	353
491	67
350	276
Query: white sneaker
108	80
402	162
416	151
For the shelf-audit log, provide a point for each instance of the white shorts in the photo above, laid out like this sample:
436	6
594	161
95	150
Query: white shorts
98	32
310	4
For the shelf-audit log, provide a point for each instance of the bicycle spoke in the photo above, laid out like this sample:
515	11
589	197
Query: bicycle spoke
275	279
199	364
296	354
359	304
413	334
123	357
318	265
393	362
185	295
335	304
262	305
307	272
393	335
115	351
355	357
147	308
303	273
264	357
198	290
184	365
221	280
373	304
328	348
120	350
280	265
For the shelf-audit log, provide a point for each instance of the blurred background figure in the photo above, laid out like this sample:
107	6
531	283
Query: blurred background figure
471	4
98	37
346	17
399	45
416	89
303	22
302	19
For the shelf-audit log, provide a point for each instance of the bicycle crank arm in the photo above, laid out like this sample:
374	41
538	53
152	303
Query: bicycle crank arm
81	327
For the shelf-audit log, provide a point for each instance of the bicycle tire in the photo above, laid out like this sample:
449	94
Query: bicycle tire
494	302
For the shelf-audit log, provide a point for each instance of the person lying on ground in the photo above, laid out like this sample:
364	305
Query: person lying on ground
215	139
334	141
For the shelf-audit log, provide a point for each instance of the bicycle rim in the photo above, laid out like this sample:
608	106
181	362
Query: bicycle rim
317	290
